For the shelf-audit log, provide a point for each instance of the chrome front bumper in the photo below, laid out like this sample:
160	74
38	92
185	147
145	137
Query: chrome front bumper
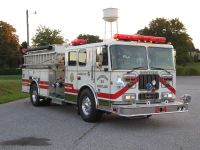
149	109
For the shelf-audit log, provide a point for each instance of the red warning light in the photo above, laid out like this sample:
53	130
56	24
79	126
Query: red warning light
78	42
142	38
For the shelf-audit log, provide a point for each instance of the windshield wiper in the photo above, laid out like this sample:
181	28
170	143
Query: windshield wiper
141	67
161	69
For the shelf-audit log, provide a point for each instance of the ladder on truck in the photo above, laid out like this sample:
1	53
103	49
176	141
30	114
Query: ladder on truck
44	56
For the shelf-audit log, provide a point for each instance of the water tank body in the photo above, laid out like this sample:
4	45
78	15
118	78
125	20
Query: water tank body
110	14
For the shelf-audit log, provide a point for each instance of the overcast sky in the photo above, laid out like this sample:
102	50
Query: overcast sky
74	17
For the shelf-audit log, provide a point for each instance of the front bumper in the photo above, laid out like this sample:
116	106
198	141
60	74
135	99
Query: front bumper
149	109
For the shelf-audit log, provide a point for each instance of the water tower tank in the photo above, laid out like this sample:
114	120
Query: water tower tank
110	14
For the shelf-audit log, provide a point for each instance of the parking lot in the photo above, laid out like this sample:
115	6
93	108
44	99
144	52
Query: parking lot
54	127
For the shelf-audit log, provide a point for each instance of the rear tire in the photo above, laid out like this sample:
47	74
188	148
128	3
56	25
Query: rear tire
37	100
87	107
34	97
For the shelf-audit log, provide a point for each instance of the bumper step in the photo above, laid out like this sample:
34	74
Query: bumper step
151	109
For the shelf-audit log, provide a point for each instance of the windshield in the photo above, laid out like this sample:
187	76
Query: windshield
160	58
127	57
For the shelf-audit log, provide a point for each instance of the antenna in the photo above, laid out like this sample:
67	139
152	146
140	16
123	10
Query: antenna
110	15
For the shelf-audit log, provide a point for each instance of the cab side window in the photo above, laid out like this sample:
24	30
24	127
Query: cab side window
82	60
102	56
72	57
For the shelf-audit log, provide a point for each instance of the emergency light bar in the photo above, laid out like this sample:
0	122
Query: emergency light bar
152	39
78	42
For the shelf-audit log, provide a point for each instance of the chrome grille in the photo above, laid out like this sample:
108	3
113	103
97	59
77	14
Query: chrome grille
144	79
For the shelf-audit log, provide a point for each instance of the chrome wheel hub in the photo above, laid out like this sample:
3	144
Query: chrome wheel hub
34	96
86	106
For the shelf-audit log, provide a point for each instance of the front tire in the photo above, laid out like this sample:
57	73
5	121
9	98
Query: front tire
87	107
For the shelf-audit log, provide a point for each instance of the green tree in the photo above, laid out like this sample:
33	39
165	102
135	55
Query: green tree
46	36
175	33
90	38
9	46
23	45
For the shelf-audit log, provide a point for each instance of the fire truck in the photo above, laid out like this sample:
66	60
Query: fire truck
130	75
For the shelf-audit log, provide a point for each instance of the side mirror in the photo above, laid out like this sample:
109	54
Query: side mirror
99	65
120	83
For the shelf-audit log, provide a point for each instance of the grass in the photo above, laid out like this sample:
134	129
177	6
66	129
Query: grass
10	88
192	69
196	65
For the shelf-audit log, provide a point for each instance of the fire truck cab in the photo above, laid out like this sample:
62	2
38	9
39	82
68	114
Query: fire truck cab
128	76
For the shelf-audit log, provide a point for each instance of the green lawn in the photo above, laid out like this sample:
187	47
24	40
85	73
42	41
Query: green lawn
10	88
196	65
192	69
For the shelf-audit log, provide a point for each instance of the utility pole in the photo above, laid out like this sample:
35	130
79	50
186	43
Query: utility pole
27	25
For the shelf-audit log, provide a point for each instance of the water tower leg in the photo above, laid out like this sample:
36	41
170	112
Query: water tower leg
105	32
117	26
111	30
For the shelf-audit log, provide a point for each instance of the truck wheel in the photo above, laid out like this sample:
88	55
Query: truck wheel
35	99
87	107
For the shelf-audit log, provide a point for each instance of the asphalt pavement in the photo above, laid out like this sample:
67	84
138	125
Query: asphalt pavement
24	127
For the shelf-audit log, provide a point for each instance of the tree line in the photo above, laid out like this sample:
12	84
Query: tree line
173	29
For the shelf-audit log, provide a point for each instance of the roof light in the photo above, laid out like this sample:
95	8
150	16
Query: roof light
78	42
152	39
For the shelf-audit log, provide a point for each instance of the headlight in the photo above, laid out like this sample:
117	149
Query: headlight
129	97
167	95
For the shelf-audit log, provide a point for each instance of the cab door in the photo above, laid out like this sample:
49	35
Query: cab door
85	74
102	77
71	89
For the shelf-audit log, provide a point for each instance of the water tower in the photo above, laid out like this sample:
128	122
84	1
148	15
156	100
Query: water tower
110	15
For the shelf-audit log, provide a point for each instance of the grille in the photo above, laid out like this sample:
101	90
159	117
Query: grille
147	96
144	79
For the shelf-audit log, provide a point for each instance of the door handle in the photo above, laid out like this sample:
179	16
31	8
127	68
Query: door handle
78	77
92	72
